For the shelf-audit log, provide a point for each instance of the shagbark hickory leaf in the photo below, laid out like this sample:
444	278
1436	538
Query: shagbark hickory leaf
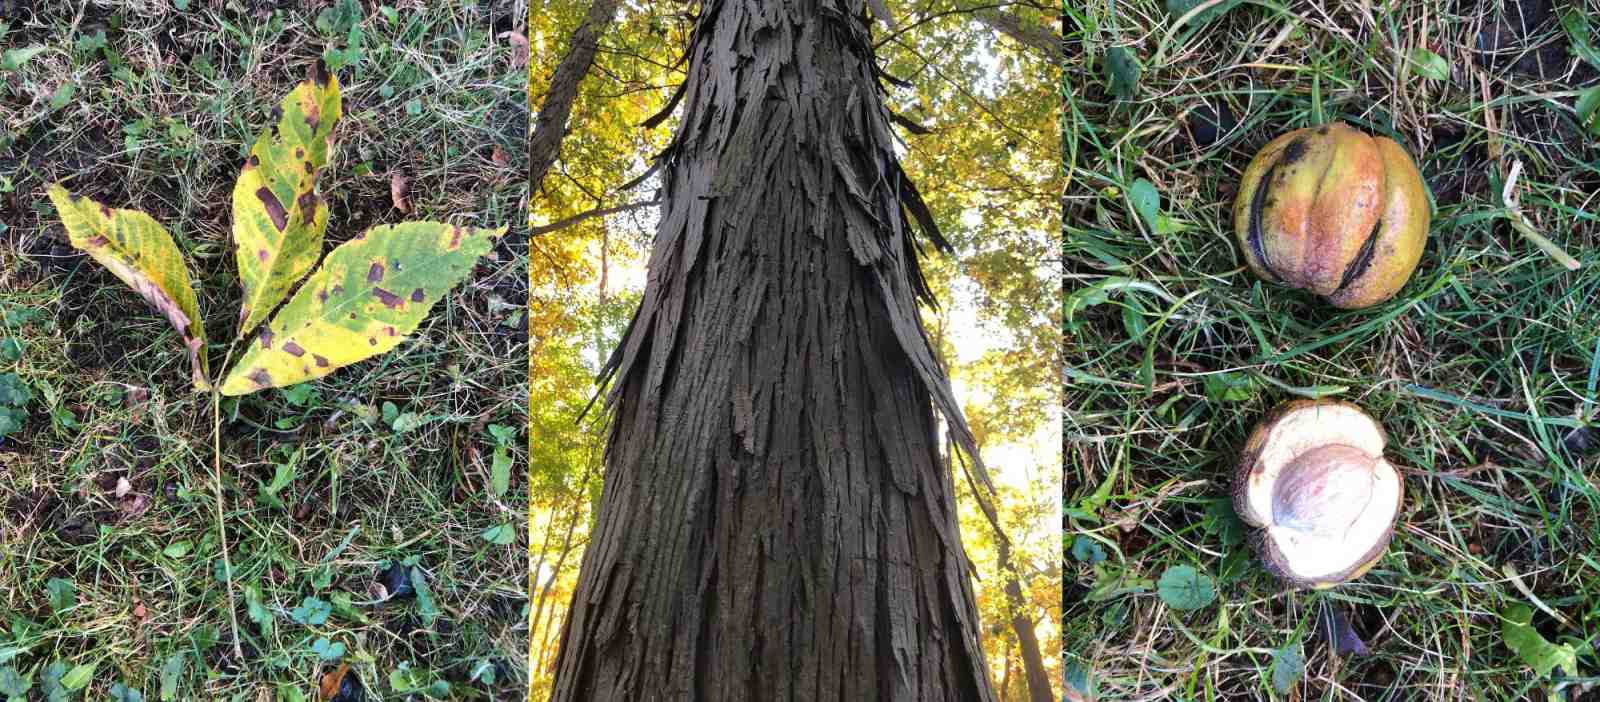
366	297
278	216
140	252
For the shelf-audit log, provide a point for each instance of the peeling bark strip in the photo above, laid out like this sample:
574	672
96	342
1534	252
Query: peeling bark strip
776	522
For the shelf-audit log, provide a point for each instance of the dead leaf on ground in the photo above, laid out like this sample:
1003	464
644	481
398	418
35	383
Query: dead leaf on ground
519	48
500	157
133	505
397	192
123	487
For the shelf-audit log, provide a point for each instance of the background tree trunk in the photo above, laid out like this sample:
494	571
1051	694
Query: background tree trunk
550	126
1039	687
776	521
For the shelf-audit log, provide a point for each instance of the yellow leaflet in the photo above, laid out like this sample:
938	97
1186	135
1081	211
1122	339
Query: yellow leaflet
368	295
137	249
278	217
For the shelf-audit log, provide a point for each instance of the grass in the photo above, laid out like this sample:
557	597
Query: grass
1482	370
108	538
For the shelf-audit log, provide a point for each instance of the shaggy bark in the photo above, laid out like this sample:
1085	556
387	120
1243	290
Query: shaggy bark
550	126
776	521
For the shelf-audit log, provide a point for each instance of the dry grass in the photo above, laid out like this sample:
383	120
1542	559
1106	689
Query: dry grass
1482	369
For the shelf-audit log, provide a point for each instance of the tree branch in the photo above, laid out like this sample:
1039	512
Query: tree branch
597	212
550	126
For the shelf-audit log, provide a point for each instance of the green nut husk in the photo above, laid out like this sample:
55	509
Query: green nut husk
1333	211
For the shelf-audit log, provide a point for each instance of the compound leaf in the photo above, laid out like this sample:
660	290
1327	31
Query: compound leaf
138	250
366	297
278	216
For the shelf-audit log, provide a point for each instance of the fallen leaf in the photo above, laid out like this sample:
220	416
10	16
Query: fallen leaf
500	157
1336	629
519	48
331	681
123	487
133	505
397	192
139	612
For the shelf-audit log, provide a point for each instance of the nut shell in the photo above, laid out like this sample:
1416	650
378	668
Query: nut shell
1312	477
1333	211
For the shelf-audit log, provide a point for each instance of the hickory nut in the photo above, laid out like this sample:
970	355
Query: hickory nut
1313	480
1333	211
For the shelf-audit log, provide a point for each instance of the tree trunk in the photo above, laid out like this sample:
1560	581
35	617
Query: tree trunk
550	126
1039	686
776	521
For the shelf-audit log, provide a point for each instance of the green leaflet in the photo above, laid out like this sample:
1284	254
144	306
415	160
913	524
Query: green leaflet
368	294
278	217
139	250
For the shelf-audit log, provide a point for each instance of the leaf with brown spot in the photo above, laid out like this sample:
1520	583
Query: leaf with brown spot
140	252
278	218
348	310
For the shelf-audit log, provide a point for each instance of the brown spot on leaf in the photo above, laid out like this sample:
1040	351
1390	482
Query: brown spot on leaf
416	295
371	341
309	169
252	162
455	238
389	330
274	208
375	273
98	241
260	378
293	349
319	73
308	207
321	362
262	255
105	211
389	299
299	152
322	296
266	338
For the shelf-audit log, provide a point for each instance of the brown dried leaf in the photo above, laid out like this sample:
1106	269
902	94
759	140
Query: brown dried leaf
133	505
397	192
329	685
500	157
519	48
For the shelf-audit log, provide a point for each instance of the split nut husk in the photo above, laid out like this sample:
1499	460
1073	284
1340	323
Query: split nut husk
1314	482
1334	211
